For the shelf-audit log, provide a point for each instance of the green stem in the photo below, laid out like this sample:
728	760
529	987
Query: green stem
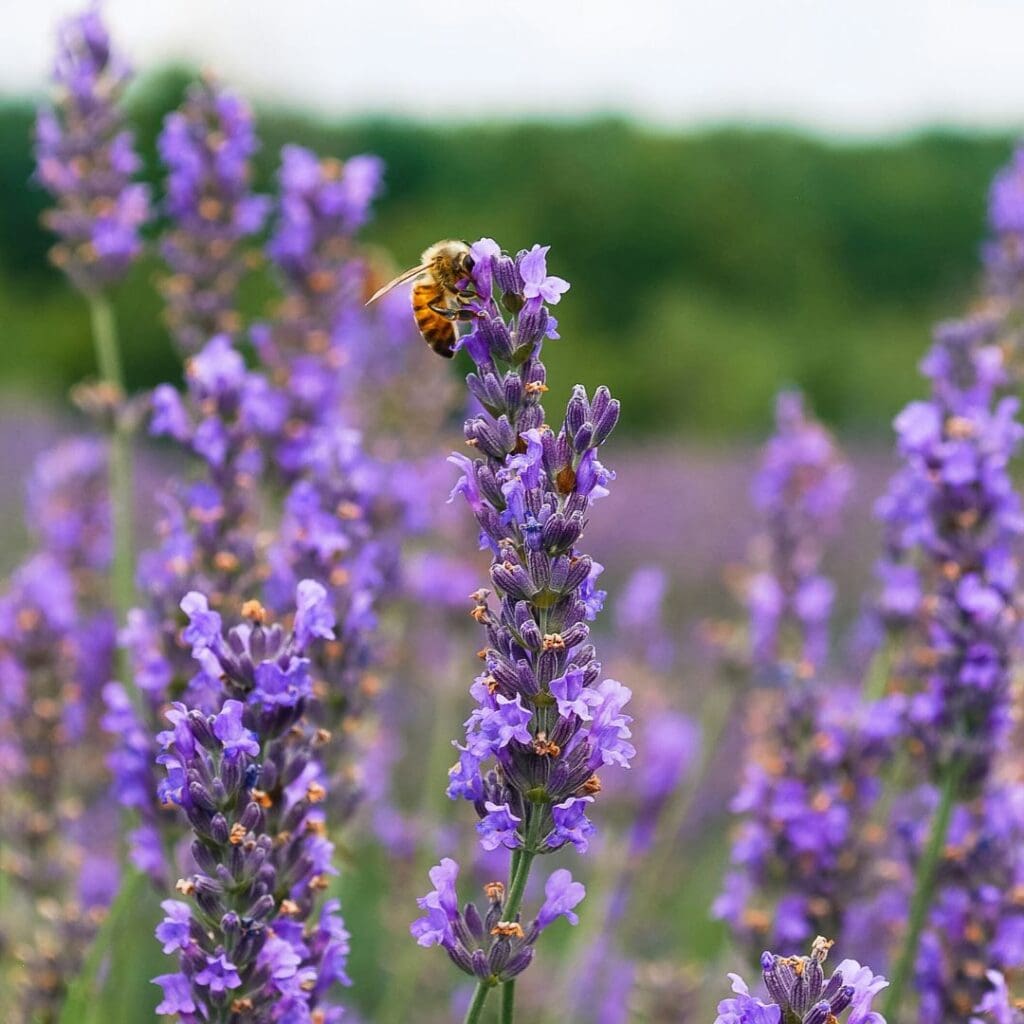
122	490
108	363
476	1008
924	884
517	884
508	1002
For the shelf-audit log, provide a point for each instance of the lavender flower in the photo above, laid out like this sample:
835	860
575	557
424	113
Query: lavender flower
86	160
206	147
804	844
799	993
799	491
250	942
544	725
56	651
494	947
977	915
953	521
997	1006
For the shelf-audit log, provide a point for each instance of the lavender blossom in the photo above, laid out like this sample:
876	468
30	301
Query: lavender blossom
977	915
250	941
56	651
799	491
953	521
206	540
798	992
86	160
544	725
804	844
207	146
493	947
997	1007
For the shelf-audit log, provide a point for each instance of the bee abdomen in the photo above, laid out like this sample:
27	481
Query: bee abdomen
438	332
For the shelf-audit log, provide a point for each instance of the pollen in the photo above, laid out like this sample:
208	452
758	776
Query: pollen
254	611
185	886
509	929
262	798
591	786
536	387
543	747
316	793
242	1005
289	908
238	833
495	891
225	561
820	948
553	642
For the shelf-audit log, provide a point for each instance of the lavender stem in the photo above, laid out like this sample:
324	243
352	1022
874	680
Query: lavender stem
476	1007
924	883
122	488
508	1002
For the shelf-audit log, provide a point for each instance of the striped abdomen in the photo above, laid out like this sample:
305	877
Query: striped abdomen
438	332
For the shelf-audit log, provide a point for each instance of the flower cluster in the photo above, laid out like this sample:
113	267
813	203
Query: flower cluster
493	947
977	915
544	725
799	492
543	718
798	992
804	845
86	160
207	146
250	943
323	203
56	651
953	523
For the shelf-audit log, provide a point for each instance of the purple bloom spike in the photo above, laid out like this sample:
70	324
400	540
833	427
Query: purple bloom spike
798	992
545	723
86	161
206	147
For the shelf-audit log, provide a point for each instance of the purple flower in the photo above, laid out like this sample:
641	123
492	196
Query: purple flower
85	160
533	269
235	738
798	991
561	896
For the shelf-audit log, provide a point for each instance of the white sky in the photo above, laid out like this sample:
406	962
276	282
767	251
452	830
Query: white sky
836	65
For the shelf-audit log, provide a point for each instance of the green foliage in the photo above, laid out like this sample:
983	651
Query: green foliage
708	269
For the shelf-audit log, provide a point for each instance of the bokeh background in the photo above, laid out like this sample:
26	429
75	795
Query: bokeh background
745	197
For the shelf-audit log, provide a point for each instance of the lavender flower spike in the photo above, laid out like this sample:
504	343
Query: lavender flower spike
207	146
86	160
798	992
251	944
545	723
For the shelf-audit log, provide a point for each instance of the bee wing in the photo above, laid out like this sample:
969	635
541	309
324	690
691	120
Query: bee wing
407	275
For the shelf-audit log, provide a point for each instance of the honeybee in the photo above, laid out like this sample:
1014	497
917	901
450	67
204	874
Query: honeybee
436	293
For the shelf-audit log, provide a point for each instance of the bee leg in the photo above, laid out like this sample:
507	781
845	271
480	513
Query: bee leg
463	315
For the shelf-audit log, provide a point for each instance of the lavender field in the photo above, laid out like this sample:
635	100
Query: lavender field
372	668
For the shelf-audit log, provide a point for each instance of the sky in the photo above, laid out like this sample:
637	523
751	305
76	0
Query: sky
863	67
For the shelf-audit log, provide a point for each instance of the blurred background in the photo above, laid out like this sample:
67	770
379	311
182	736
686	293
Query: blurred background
742	195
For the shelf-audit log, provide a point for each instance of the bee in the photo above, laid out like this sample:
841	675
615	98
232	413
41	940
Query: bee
438	293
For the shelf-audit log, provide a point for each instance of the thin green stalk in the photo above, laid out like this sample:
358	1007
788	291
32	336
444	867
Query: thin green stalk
877	678
476	1007
508	1002
122	490
924	884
